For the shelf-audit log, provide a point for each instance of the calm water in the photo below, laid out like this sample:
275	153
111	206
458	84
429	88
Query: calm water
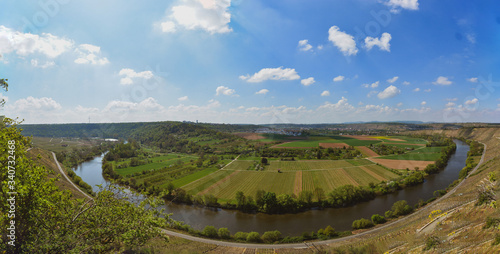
295	224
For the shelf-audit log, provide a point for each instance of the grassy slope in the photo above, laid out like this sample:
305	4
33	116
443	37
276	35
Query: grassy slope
46	159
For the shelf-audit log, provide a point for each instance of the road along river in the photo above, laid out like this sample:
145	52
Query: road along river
295	224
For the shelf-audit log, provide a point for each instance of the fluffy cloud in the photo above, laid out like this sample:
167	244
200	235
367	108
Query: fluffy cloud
382	43
208	15
308	81
392	80
262	91
271	74
343	41
471	102
450	105
373	85
338	78
405	4
416	90
34	104
223	90
389	92
147	105
341	106
325	93
130	74
406	83
444	81
35	63
183	98
89	54
423	103
304	45
25	44
472	80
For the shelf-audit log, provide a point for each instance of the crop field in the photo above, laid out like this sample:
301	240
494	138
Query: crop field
250	181
314	142
361	176
360	162
300	175
161	162
423	154
205	182
306	165
191	178
381	171
240	165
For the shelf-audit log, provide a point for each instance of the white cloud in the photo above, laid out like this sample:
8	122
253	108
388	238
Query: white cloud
304	45
450	105
406	83
271	74
389	92
471	102
209	15
308	81
325	93
371	93
224	91
130	74
405	4
35	63
423	103
34	104
24	44
427	90
338	78
471	38
444	81
416	90
343	41
89	54
382	43
262	91
183	98
168	27
373	85
472	80
399	104
392	80
341	106
320	47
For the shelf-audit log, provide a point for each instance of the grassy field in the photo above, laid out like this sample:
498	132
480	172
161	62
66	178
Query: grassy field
314	141
158	163
193	177
325	174
422	154
241	165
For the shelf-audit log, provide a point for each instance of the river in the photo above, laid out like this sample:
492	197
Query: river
294	224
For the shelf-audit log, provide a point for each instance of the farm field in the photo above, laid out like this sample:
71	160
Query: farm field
62	144
306	165
421	154
240	165
401	164
224	184
158	163
193	177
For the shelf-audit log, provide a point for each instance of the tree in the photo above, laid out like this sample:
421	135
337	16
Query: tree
401	208
240	199
329	231
224	233
319	193
242	236
253	237
263	161
271	236
306	196
210	231
378	219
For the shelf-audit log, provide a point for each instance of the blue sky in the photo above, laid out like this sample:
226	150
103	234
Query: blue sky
242	61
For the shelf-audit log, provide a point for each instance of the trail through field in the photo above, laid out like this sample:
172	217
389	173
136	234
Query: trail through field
215	185
298	183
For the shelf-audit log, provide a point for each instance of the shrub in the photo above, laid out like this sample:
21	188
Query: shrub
253	237
241	236
330	232
378	219
431	242
271	236
210	231
401	208
388	214
224	233
362	223
321	231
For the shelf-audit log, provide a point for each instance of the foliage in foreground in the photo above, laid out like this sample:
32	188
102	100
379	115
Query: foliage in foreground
48	220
